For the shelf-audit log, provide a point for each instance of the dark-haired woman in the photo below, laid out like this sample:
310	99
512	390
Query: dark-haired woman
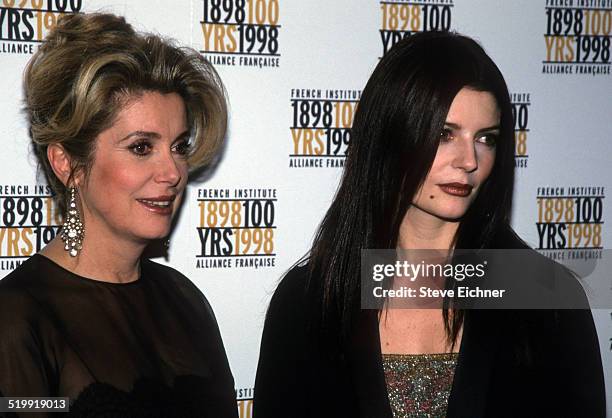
430	166
117	119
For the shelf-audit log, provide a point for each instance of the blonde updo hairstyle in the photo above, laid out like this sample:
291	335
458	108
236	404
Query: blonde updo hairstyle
90	66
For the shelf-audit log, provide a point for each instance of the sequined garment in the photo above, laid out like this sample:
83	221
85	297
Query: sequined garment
419	384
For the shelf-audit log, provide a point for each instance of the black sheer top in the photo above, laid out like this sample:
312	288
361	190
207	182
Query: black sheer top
145	348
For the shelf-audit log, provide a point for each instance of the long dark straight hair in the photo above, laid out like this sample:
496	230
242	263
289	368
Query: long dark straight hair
394	139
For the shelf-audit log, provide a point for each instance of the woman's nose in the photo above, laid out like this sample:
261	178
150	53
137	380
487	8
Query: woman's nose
465	155
168	170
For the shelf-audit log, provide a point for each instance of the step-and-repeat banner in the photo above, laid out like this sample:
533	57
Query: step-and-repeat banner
294	71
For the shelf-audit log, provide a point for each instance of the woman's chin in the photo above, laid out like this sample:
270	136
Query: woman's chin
153	235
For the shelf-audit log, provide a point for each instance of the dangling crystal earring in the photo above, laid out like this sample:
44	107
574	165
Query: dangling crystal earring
73	230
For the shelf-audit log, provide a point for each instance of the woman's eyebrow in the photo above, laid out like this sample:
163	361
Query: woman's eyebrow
452	125
490	128
146	134
183	136
457	126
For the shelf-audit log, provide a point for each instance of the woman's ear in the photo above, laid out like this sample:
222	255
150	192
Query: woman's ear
60	162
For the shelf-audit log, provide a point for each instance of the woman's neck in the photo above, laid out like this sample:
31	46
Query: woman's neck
421	230
419	331
104	261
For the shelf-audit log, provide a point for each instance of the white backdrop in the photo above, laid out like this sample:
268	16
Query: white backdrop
294	71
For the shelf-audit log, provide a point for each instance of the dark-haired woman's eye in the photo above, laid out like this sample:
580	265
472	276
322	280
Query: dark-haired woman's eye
446	135
488	139
181	147
140	148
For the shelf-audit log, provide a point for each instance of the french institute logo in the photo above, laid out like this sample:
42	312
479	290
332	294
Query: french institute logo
243	33
25	23
244	398
29	219
236	228
577	37
321	126
521	103
570	221
401	18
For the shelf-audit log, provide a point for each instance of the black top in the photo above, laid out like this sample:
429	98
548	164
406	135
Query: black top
511	363
146	348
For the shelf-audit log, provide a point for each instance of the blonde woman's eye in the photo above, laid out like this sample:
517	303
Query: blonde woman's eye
141	148
182	148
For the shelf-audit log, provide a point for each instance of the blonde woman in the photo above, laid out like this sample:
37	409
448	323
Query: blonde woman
117	120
